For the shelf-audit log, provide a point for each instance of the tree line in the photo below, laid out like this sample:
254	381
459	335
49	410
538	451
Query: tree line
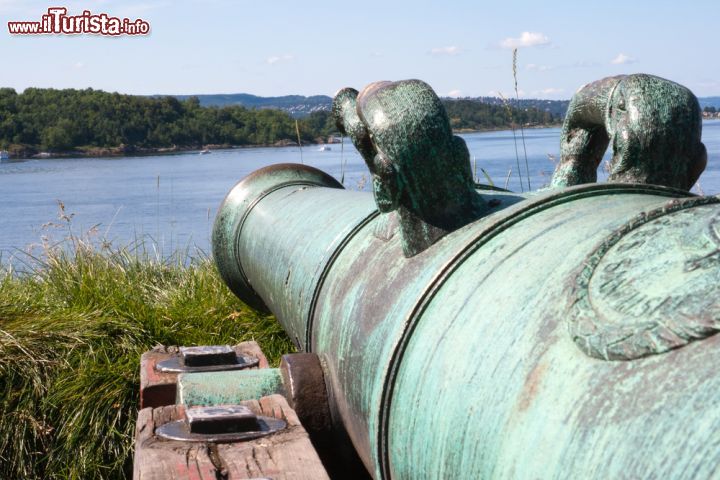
63	120
475	115
71	120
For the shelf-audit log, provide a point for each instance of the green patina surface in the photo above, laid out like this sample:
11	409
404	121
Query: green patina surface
566	334
227	388
653	124
419	168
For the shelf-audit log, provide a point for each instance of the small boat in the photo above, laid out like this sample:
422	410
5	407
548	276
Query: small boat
325	148
205	151
4	155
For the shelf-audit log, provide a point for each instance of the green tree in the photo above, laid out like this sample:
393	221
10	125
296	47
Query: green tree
58	137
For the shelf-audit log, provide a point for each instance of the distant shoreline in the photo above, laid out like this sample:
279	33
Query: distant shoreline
129	151
505	129
111	152
144	152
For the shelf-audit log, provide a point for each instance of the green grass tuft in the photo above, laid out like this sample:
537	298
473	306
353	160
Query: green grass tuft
72	329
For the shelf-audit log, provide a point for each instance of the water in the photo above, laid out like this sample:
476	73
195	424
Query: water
171	201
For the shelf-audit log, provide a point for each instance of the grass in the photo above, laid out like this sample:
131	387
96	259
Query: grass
522	130
72	329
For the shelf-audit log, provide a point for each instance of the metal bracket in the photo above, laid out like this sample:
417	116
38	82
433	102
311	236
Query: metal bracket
219	424
212	358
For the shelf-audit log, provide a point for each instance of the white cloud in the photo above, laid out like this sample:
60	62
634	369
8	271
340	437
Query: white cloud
79	65
451	50
279	58
526	39
454	93
623	59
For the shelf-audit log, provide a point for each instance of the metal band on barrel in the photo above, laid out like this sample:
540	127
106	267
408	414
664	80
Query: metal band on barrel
326	270
246	214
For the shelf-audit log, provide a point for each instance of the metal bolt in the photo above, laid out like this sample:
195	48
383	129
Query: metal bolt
219	424
207	355
211	358
221	419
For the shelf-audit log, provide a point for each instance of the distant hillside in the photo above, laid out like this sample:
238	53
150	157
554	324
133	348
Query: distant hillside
300	106
555	107
295	105
558	108
467	114
709	102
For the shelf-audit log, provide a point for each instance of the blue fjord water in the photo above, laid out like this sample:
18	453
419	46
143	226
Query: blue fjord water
170	201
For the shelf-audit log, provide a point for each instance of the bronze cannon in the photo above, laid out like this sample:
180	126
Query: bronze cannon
473	333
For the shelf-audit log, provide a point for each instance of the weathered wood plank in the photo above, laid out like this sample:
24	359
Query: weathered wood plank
285	455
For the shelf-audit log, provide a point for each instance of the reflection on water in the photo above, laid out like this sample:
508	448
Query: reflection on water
173	199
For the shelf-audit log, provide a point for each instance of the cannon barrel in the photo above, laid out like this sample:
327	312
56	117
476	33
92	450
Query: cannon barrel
566	334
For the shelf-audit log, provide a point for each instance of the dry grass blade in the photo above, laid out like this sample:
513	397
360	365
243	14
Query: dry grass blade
297	130
506	104
522	130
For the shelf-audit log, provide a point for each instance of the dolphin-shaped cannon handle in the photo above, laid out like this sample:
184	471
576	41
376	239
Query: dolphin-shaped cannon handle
654	126
419	168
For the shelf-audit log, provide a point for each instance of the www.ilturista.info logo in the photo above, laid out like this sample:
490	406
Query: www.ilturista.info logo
57	21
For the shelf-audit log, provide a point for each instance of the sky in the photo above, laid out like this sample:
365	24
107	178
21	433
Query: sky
462	49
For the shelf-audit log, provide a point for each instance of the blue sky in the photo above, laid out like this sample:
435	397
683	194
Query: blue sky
278	47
